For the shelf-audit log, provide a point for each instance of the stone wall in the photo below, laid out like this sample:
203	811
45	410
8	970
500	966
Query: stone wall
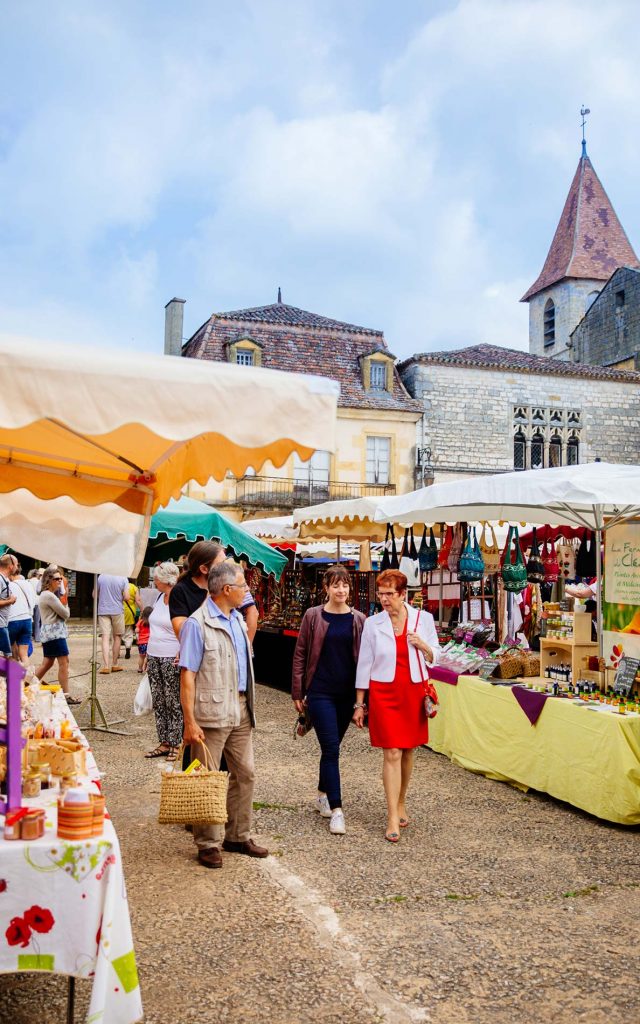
571	299
469	414
609	335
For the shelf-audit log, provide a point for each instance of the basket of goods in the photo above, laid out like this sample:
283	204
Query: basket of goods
196	796
530	663
509	664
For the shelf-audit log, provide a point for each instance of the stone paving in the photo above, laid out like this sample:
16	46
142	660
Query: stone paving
496	906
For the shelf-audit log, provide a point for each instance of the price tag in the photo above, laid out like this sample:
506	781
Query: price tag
487	668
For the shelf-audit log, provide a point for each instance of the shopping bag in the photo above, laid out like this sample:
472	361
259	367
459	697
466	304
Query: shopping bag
409	563
143	701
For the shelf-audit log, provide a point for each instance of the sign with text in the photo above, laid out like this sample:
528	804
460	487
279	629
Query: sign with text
625	675
622	564
487	668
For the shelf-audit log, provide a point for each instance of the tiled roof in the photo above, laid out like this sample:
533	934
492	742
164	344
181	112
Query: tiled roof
303	342
281	313
494	357
590	241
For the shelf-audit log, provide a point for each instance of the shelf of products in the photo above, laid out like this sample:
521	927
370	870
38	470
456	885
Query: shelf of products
570	650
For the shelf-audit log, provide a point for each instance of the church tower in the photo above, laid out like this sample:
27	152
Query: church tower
589	244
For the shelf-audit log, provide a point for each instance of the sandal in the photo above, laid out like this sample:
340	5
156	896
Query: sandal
173	753
160	751
72	700
404	822
392	837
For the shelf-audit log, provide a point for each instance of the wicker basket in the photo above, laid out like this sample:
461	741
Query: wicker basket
199	798
509	665
530	663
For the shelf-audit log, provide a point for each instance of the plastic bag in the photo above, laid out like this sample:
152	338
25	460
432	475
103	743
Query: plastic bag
143	701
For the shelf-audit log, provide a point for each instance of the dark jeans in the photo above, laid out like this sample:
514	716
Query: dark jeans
330	717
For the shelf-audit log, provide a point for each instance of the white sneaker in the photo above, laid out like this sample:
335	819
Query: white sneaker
337	826
322	805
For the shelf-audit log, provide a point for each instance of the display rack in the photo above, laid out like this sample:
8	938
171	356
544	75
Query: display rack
10	734
575	649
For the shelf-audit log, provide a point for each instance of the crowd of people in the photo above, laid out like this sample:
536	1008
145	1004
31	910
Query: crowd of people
194	630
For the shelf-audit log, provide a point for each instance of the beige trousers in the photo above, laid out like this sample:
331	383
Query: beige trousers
237	744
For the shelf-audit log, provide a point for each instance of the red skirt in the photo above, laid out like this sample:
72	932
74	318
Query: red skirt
397	717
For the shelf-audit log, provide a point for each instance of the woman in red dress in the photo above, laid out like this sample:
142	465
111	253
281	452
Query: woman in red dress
396	647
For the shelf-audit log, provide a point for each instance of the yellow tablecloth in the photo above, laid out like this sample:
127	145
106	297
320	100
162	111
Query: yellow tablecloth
589	758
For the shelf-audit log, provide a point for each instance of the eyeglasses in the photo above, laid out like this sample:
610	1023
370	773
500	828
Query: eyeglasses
240	586
387	593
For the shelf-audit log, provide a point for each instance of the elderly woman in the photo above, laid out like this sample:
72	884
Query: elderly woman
53	631
397	646
162	666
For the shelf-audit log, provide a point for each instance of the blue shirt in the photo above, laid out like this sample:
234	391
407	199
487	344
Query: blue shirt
192	642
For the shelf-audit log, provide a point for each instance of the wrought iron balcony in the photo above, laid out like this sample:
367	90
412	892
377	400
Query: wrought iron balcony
270	492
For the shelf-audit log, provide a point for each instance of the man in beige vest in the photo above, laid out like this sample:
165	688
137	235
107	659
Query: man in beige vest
217	694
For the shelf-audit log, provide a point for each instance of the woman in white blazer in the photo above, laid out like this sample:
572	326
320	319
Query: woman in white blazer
396	649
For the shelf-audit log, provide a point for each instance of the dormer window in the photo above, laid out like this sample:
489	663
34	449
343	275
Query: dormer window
378	377
244	357
245	351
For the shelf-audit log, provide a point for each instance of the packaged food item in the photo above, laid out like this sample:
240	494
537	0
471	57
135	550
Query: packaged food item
31	783
97	802
75	820
12	822
32	825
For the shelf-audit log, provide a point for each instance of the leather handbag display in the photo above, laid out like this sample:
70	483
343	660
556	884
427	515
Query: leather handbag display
514	573
490	552
409	563
428	553
567	561
443	555
455	551
586	566
550	562
471	563
535	566
389	558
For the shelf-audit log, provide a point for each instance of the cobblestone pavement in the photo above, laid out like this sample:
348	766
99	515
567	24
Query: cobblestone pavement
495	906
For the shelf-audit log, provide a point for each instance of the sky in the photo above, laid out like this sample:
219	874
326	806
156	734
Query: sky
399	166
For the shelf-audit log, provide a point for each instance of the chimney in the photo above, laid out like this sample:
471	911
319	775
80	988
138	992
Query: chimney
173	318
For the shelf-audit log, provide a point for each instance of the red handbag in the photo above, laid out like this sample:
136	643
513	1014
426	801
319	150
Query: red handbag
443	554
431	699
550	563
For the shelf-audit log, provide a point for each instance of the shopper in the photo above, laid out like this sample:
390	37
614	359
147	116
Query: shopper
324	674
20	622
215	660
131	608
7	599
54	615
397	646
162	666
112	591
142	636
191	589
34	579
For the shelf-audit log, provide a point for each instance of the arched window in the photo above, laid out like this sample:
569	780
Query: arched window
591	298
555	451
573	449
537	451
549	323
519	451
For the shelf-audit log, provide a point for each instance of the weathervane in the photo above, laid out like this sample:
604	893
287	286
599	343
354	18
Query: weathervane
583	114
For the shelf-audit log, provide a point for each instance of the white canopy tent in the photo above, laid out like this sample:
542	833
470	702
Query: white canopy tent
596	495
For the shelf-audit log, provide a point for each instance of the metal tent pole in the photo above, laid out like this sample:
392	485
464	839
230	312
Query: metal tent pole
92	699
599	524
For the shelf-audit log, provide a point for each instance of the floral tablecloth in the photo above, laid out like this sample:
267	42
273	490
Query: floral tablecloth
63	908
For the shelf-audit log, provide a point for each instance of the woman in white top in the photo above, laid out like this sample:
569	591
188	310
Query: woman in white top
20	622
162	666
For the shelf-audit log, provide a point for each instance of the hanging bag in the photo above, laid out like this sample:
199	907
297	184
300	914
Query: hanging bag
567	561
456	548
390	554
490	552
535	566
409	564
586	557
443	556
471	563
550	562
514	573
428	553
431	699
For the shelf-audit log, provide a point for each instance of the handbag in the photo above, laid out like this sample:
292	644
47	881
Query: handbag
443	555
471	561
490	552
389	555
431	699
550	563
456	548
198	797
535	566
567	561
303	723
586	557
514	573
143	701
428	553
409	563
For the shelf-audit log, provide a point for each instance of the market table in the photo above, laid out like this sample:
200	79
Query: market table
586	756
63	908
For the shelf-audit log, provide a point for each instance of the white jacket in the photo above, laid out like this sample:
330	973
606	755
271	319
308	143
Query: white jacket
377	658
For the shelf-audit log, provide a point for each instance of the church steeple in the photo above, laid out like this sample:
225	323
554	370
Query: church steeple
588	246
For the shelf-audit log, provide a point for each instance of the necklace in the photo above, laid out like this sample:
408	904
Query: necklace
398	627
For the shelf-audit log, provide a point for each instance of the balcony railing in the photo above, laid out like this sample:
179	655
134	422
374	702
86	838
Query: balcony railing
287	493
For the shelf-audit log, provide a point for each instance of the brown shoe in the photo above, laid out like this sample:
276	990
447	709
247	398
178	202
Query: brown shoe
249	848
211	858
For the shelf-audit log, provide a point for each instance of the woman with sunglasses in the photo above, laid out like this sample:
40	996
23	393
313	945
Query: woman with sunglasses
398	645
53	631
324	672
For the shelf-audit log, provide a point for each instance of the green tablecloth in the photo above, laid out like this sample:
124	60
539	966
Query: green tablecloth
589	758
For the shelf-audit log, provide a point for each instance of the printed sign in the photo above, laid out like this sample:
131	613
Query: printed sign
487	668
626	674
622	564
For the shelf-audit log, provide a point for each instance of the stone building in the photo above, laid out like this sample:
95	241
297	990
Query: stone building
376	423
489	409
588	246
609	332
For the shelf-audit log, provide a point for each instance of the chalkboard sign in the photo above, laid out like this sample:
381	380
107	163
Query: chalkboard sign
487	668
625	675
